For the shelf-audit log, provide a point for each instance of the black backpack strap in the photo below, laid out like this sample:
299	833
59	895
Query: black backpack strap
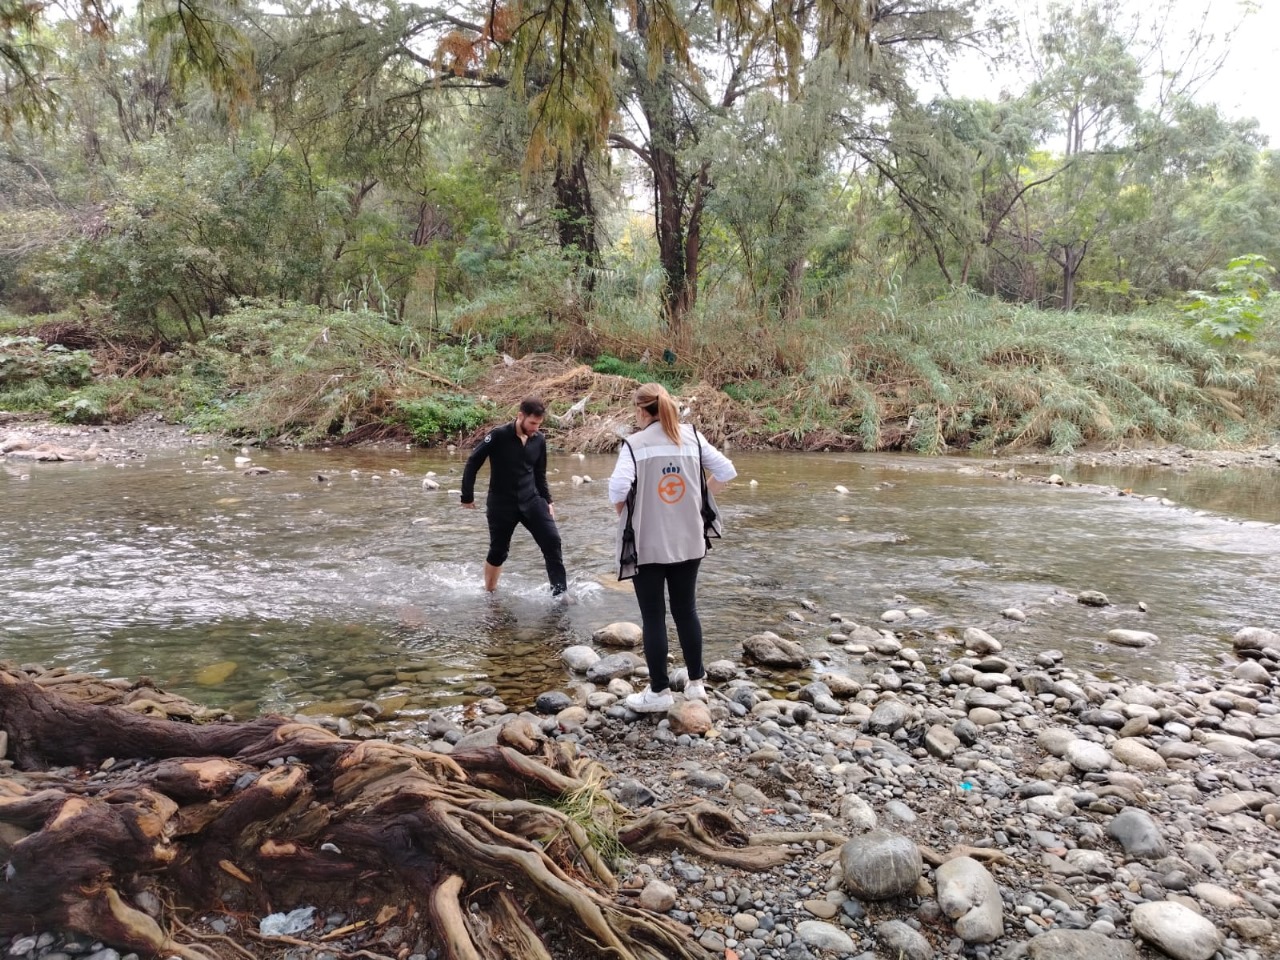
708	512
628	560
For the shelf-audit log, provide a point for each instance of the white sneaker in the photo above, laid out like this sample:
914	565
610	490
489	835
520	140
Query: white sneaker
695	690
649	702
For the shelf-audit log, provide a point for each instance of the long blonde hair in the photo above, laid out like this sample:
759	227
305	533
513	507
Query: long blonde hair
655	399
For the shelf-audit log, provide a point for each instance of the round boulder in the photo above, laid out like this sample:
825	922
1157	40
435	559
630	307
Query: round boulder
552	701
879	865
1132	638
1086	756
689	716
1255	641
771	650
981	642
579	658
1078	945
621	634
1177	930
1138	834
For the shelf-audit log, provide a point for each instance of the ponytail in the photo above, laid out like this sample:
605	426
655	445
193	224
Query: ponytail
655	399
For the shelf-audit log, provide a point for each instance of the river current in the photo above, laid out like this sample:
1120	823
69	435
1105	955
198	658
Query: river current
281	590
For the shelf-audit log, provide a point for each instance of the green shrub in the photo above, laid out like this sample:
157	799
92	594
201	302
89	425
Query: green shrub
443	415
671	377
24	359
108	401
1235	310
33	395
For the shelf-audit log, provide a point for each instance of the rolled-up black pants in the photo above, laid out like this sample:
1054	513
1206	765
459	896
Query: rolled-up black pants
680	580
535	516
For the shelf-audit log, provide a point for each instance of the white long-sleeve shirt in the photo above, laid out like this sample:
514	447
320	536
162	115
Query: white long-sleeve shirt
624	471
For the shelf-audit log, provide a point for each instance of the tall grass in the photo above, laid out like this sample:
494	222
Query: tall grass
969	372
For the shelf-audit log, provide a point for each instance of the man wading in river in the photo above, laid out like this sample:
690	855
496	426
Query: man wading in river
518	493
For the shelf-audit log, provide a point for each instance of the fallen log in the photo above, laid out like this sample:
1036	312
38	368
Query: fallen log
100	803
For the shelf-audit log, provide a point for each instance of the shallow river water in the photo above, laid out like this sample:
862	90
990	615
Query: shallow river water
279	591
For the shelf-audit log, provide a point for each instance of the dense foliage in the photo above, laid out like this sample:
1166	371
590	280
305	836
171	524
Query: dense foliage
301	220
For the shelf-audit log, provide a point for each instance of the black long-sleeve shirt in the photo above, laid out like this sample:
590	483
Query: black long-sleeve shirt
517	471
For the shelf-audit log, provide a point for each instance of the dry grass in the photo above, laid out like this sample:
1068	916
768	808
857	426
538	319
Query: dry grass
562	382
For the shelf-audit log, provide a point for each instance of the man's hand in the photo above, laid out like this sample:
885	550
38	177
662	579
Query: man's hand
551	508
470	506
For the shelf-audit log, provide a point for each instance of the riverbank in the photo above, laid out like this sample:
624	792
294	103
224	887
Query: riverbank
954	374
579	433
39	440
955	803
1172	456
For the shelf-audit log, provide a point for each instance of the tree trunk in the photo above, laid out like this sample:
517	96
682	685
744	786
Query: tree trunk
575	216
109	797
1072	259
678	296
678	228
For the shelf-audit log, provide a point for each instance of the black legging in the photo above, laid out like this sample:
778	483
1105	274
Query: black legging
681	581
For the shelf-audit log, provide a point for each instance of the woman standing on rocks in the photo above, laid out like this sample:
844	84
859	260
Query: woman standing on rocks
665	521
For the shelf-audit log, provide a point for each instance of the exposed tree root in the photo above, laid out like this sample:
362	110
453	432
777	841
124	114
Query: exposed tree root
269	814
986	854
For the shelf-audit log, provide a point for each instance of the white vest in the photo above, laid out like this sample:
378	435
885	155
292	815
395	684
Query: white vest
668	504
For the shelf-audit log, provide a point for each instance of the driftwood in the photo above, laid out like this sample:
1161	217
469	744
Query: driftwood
104	802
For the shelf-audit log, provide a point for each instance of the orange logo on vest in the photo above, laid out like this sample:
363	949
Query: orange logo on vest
671	488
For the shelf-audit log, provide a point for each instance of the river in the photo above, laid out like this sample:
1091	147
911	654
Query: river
277	591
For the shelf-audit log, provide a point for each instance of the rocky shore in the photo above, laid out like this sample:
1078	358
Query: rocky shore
152	434
951	801
1174	457
27	441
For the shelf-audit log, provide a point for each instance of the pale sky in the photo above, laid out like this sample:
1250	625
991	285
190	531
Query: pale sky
1246	85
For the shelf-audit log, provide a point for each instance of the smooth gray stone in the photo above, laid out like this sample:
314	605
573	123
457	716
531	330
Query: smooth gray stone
888	716
1256	640
1177	930
620	634
897	939
772	650
1132	638
553	701
1138	834
824	936
1087	757
941	742
579	657
613	666
1078	945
